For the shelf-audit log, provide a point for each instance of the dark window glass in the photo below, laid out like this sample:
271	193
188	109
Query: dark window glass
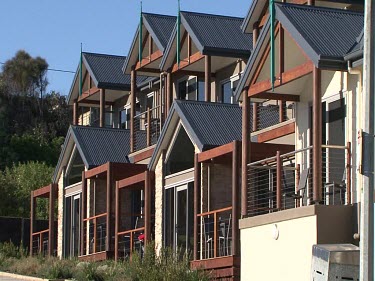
192	89
201	94
226	92
182	90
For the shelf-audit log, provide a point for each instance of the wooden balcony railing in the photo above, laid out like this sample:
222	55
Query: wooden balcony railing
40	242
95	233
285	181
131	241
215	233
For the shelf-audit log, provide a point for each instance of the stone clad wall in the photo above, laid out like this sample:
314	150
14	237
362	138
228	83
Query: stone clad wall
60	215
159	179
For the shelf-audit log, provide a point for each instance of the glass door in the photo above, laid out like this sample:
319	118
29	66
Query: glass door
76	215
181	211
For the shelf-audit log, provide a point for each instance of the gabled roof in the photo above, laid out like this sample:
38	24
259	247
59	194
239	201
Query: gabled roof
326	36
160	27
257	7
97	146
105	70
208	124
215	35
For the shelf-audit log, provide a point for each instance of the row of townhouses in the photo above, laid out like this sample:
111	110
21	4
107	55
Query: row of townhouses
190	142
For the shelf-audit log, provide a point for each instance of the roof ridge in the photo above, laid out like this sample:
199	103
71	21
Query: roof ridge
99	128
319	8
206	103
104	55
214	15
159	15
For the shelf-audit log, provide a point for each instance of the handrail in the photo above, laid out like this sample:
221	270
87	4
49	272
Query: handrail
95	217
130	231
40	232
215	212
145	112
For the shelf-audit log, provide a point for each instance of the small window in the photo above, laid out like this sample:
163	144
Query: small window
124	118
191	89
150	101
201	91
182	90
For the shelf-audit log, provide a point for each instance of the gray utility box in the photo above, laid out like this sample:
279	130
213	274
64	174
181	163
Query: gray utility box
335	262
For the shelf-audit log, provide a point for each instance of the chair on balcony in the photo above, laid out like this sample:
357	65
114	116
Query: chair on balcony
301	188
208	234
335	186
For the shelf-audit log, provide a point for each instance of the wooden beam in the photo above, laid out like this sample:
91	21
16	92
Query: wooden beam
286	77
75	112
277	132
42	192
102	108
117	218
215	152
245	149
108	207
131	180
148	199
141	66
277	96
88	93
51	221
133	99
96	171
185	63
197	192
83	213
207	78
317	137
235	197
32	218
94	102
143	155
169	92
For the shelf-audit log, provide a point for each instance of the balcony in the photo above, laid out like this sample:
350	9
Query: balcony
285	181
147	128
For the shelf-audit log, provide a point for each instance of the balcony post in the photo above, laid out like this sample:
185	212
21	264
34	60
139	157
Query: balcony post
147	206
317	137
207	78
311	2
197	189
102	108
169	93
117	218
148	132
235	199
278	180
348	173
108	205
133	89
75	113
51	219
32	218
83	212
245	149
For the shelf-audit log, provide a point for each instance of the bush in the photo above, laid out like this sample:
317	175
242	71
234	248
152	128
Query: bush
54	268
9	250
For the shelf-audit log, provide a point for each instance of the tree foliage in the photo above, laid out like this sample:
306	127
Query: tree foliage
32	130
17	182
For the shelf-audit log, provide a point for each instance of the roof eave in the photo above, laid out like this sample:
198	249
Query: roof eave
222	52
126	68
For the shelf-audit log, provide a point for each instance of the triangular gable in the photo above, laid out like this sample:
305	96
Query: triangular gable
316	52
207	124
213	35
156	31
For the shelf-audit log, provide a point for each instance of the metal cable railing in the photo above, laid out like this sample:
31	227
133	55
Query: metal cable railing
268	115
149	122
95	234
286	181
215	233
40	242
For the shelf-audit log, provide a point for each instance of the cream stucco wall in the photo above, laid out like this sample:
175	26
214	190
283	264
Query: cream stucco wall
159	185
60	214
287	258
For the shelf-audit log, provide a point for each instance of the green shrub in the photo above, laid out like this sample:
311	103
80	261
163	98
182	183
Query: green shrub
9	250
54	268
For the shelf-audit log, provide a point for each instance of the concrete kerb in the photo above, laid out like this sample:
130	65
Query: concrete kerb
25	278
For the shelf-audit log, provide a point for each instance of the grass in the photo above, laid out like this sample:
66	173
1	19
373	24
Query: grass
163	267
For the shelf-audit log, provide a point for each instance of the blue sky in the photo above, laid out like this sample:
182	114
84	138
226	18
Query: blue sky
54	29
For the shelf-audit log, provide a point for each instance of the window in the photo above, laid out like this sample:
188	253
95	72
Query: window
124	118
228	87
191	89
